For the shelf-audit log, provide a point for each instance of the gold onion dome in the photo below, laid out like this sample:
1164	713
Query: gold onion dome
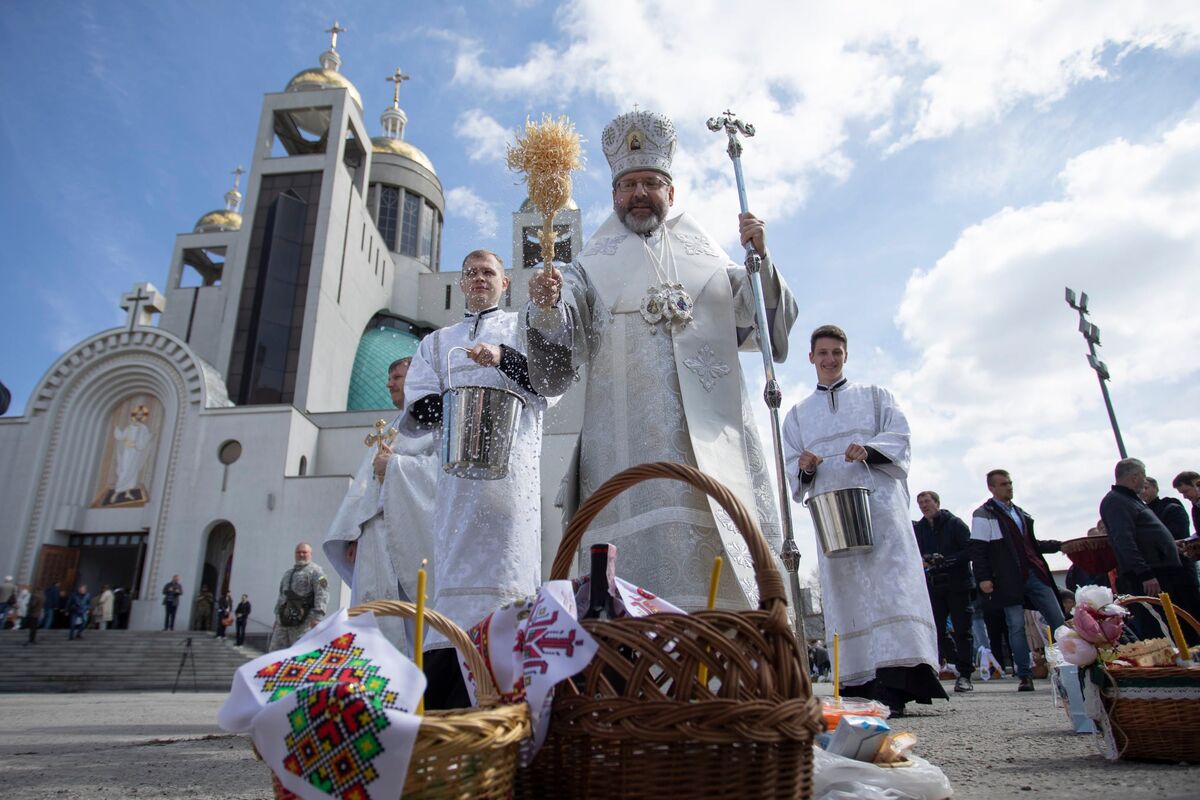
528	206
326	76
317	78
387	146
219	220
227	218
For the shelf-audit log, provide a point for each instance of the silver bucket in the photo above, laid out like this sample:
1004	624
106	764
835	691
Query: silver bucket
842	518
479	424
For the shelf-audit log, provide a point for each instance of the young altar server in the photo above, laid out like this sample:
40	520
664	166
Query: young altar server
848	435
487	533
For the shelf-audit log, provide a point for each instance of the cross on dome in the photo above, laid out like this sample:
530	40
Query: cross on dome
397	78
333	34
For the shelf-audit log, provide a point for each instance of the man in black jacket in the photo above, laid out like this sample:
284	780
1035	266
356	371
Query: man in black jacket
1010	568
1147	559
943	540
1170	512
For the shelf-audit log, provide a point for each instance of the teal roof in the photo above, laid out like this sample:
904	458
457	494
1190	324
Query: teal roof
377	349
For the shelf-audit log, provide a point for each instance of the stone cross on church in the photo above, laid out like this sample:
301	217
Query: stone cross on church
141	304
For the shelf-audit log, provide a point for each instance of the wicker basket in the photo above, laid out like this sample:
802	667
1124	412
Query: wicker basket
464	754
1092	554
638	723
1153	711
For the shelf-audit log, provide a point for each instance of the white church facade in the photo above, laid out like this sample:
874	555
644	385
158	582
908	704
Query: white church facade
219	426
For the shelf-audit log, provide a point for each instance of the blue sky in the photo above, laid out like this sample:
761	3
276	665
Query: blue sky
932	174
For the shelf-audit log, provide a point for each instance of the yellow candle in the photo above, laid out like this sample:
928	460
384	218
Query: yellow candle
837	691
712	601
419	643
1173	624
1049	637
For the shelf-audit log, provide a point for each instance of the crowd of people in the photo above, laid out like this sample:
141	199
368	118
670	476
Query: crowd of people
31	607
992	584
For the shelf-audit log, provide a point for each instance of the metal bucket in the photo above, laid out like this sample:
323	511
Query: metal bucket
479	424
842	518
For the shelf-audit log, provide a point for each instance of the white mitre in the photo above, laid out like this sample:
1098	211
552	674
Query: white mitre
639	140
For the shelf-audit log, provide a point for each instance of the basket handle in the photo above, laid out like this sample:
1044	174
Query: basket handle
486	695
771	596
1154	601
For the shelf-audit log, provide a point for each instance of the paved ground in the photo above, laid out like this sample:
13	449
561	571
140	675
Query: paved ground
994	743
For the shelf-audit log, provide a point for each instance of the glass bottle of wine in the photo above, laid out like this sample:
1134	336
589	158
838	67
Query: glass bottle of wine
600	604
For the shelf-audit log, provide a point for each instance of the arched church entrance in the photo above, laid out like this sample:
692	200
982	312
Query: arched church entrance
218	565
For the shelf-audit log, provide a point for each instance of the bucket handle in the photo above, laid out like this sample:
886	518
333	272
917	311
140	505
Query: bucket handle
450	375
870	477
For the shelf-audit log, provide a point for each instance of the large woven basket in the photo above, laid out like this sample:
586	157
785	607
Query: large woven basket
1153	711
638	722
1092	554
463	754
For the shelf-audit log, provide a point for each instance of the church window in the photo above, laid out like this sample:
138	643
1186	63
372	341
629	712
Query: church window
229	452
427	233
303	465
409	225
531	246
389	206
449	289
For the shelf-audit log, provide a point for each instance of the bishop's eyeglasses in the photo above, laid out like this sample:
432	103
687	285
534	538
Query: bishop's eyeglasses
628	185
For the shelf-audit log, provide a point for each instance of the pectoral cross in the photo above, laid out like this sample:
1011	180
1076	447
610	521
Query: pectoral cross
382	435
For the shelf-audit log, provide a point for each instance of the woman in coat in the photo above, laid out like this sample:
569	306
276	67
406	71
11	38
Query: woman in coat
224	612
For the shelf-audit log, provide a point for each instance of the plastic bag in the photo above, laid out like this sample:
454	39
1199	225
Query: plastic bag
838	778
833	710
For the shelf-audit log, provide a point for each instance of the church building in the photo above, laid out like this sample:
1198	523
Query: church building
219	426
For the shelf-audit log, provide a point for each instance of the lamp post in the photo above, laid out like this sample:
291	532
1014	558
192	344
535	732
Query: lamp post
1091	334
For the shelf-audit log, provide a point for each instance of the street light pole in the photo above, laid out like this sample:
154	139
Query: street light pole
1091	334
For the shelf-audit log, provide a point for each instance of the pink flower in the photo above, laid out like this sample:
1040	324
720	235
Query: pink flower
1076	651
1096	626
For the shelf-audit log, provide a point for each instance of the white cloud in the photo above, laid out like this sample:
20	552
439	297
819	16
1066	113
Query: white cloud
1002	378
816	74
488	140
464	202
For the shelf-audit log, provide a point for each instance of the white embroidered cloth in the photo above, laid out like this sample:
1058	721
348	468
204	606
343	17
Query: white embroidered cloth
331	716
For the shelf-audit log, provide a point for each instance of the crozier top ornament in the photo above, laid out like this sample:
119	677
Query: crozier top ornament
639	140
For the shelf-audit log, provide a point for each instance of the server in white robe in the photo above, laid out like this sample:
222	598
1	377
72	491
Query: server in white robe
487	533
384	526
663	378
846	435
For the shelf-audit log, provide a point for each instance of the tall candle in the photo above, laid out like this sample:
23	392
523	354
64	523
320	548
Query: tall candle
419	638
837	690
1173	624
713	580
1049	637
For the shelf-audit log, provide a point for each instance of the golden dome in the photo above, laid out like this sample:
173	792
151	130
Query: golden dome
528	206
217	221
398	147
317	78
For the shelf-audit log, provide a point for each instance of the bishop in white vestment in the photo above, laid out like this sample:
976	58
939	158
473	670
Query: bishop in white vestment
663	378
384	526
845	435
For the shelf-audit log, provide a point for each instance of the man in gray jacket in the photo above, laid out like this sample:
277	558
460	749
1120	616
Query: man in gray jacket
1147	559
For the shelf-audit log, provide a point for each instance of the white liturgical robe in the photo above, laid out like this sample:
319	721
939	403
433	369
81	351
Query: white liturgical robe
875	601
657	392
487	533
392	524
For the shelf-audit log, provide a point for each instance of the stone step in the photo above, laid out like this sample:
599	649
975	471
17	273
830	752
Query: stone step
118	661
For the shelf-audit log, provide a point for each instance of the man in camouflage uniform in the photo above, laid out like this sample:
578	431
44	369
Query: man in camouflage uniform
303	598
